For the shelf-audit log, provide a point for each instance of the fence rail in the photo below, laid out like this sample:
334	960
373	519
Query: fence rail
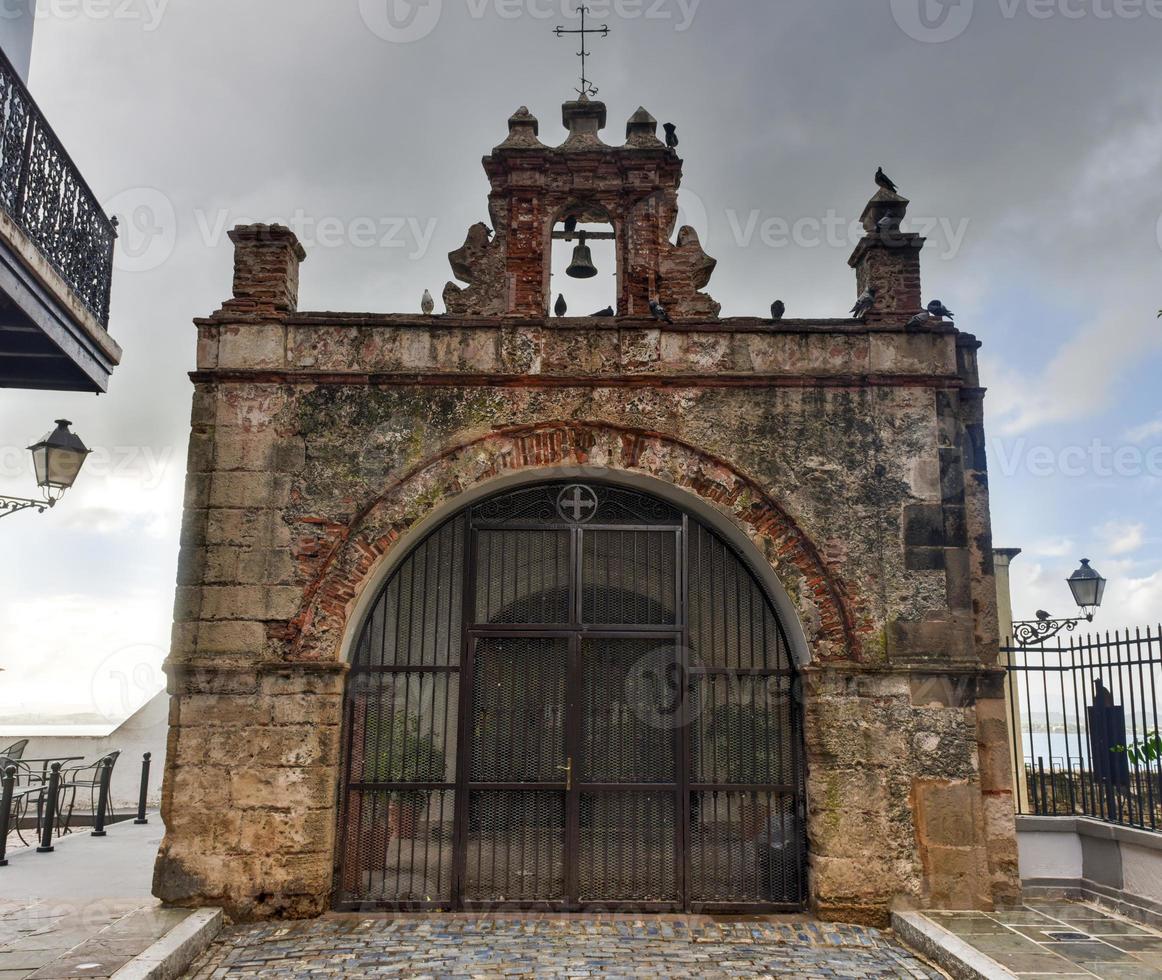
1078	709
43	192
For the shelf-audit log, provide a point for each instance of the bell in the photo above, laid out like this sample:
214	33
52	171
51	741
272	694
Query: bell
582	266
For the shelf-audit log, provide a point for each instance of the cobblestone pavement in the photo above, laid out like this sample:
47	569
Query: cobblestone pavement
453	946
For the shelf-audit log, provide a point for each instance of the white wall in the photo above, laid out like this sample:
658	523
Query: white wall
144	731
1142	869
16	23
1049	855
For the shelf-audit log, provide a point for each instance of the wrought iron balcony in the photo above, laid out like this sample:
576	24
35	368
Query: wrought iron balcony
42	191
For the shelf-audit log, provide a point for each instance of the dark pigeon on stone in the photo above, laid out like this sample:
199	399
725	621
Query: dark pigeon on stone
570	224
671	136
884	181
659	311
938	309
607	312
562	307
778	310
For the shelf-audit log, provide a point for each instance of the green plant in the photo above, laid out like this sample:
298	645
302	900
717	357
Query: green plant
402	753
1147	749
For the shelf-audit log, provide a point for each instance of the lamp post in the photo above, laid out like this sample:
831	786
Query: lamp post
56	459
1088	588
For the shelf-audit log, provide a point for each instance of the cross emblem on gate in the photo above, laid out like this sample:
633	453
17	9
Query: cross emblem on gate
577	504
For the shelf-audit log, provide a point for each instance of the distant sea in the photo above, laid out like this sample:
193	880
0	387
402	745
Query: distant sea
11	732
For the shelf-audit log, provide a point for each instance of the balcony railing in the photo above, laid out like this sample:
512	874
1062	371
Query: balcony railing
44	194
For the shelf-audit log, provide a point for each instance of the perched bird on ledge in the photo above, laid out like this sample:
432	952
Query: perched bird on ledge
607	312
778	309
427	304
938	309
562	307
659	311
886	182
864	304
921	319
570	224
671	135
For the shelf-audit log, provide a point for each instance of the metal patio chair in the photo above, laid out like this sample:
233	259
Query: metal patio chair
15	750
86	782
28	792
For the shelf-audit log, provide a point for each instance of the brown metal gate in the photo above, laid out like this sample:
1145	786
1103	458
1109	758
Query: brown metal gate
572	697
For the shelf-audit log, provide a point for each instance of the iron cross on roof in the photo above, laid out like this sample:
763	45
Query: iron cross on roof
587	87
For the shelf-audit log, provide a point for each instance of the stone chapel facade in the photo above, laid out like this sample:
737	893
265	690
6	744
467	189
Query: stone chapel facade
497	610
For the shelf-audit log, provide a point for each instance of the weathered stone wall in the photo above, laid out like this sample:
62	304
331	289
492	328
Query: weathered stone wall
850	453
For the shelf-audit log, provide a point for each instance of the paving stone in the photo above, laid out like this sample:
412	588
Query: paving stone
464	947
1033	939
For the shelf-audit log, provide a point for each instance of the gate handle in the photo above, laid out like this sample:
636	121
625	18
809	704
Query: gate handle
568	771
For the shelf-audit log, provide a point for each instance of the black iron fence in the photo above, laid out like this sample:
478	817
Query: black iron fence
42	191
1085	716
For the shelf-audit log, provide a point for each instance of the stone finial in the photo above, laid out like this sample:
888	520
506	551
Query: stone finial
888	259
642	131
884	212
584	120
266	269
523	130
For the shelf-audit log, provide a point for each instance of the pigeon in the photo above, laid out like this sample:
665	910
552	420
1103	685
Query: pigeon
427	304
778	309
938	309
562	307
659	311
671	135
884	181
570	224
864	303
607	312
1042	615
920	320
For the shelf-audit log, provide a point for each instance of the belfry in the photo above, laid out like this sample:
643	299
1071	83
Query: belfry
652	611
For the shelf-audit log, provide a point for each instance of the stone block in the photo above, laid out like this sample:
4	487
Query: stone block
924	526
227	637
252	346
948	815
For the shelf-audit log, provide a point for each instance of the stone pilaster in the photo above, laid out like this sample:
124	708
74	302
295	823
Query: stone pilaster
266	270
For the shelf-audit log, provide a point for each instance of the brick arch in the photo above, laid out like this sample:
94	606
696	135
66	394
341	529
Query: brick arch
345	566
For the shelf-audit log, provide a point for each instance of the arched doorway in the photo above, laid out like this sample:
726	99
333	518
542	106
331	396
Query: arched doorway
572	696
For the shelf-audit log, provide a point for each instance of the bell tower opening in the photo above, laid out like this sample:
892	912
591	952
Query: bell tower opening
584	263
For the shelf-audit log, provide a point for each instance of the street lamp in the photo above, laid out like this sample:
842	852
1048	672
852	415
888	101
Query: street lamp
1088	588
57	459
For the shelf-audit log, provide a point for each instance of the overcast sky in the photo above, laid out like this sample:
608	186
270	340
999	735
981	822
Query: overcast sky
1027	134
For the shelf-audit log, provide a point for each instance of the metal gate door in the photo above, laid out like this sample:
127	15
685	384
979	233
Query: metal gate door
569	697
